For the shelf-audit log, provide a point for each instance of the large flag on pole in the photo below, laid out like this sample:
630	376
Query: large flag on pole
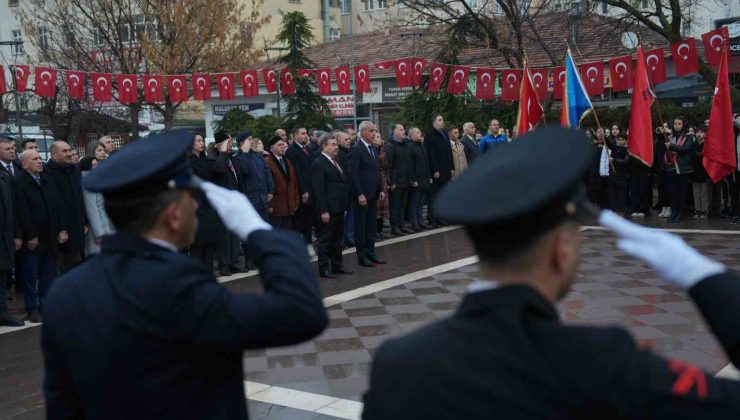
641	122
530	109
576	101
719	148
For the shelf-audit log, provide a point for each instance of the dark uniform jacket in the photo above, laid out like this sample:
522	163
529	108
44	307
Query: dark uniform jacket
40	210
440	154
68	180
420	164
620	162
364	171
256	178
209	225
141	332
505	355
330	185
399	162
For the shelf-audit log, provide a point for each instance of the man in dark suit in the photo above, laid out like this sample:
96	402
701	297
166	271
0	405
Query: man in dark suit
163	318
513	358
8	159
344	144
472	151
226	175
299	154
437	143
363	168
42	218
331	187
9	244
68	179
399	178
285	195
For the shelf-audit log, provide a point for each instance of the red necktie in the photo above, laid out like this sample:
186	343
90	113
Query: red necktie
304	150
337	165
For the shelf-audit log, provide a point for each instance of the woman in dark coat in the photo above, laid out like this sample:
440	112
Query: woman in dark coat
678	164
209	225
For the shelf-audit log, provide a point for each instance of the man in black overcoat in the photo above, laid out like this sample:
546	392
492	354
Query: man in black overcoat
437	143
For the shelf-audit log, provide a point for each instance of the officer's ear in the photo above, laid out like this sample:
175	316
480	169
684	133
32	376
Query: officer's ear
565	248
176	214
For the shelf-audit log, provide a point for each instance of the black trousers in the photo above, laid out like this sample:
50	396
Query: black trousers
618	192
302	221
3	294
664	189
365	227
227	250
437	186
639	185
330	236
679	187
398	198
204	254
66	260
733	190
280	222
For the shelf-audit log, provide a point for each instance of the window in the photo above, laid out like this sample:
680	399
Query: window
604	7
335	3
12	3
334	34
473	4
294	1
17	37
346	7
43	37
248	32
98	37
142	27
375	5
686	30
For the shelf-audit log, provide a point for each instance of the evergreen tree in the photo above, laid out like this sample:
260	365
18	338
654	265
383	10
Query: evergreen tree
306	108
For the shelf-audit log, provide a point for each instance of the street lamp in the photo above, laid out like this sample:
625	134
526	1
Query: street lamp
18	124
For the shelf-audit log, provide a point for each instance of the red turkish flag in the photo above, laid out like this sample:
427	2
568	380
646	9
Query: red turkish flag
75	84
226	88
250	85
305	72
713	42
287	84
418	65
719	148
21	77
510	80
458	80
592	75
641	123
655	61
46	82
362	78
201	86
530	109
558	79
323	81
403	72
485	83
128	91
153	89
343	82
3	83
540	81
685	57
436	76
102	87
384	65
269	76
620	72
177	88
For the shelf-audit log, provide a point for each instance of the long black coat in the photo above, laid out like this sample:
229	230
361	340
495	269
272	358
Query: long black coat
209	224
420	165
9	229
68	180
223	175
257	179
364	171
330	185
142	332
472	151
302	163
40	210
504	354
440	155
398	156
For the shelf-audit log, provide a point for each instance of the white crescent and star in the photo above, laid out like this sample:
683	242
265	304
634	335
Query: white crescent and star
486	78
19	72
271	75
621	73
508	78
588	73
401	67
224	81
362	73
681	47
343	76
535	77
461	73
201	82
46	73
717	48
436	74
101	79
418	66
561	76
75	78
127	85
657	60
248	79
153	84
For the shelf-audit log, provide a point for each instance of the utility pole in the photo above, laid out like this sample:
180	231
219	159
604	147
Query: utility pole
18	124
277	79
352	64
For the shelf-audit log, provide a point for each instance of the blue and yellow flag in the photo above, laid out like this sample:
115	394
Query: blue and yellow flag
576	102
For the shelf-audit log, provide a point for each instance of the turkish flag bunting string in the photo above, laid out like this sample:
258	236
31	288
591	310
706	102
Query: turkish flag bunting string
3	83
177	88
305	72
418	65
592	75
558	80
46	82
540	82
530	109
714	42
20	73
270	78
287	84
719	148
685	57
343	80
403	72
75	84
250	85
510	80
620	72
640	145
323	81
102	87
436	77
655	62
128	92
201	86
485	83
226	88
362	78
153	89
458	80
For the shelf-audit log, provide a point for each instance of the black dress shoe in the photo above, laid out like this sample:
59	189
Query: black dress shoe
341	270
406	230
416	228
10	321
327	274
379	236
224	272
376	259
365	262
33	317
425	226
235	269
251	266
349	244
396	232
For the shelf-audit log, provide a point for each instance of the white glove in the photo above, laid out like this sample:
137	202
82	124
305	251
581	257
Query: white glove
673	259
236	212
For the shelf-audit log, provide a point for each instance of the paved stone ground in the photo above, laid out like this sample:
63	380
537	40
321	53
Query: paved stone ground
611	289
